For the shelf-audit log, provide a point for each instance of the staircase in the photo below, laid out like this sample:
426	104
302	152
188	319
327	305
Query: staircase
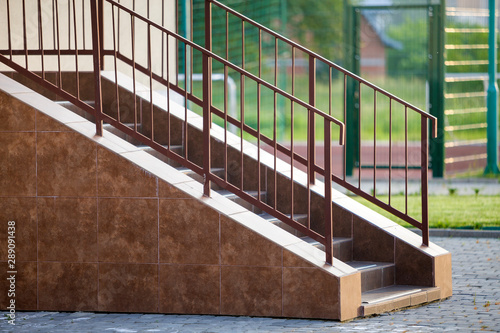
397	268
380	290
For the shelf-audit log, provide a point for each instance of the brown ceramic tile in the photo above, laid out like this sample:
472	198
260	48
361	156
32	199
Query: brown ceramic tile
189	232
292	260
18	167
128	287
342	250
66	164
118	177
67	286
388	276
371	279
67	229
241	246
23	212
128	230
342	222
25	286
51	77
189	289
310	293
85	84
251	291
168	191
15	116
371	243
442	267
350	296
45	123
317	213
413	267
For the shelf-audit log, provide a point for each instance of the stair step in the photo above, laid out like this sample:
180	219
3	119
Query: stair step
72	107
110	128
342	247
397	297
178	149
374	275
301	218
219	172
233	197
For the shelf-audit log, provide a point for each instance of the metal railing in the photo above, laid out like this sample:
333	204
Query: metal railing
145	47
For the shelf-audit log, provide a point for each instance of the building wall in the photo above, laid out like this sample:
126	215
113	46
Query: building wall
372	51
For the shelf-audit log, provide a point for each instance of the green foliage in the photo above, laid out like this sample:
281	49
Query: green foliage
468	211
317	26
412	58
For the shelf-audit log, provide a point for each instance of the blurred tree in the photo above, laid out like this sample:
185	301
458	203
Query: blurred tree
317	25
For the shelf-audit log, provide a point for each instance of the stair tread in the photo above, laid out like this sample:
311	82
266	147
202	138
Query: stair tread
390	293
272	219
144	147
227	193
187	170
366	265
335	240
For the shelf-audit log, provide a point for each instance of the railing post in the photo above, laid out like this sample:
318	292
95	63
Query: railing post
207	98
311	124
328	193
424	179
96	50
100	12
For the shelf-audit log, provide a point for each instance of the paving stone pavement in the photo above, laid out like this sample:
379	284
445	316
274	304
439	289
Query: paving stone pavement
474	307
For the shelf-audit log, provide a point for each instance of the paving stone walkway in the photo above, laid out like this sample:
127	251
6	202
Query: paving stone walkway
474	307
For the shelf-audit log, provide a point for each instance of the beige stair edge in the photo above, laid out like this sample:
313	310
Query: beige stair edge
282	167
419	296
175	178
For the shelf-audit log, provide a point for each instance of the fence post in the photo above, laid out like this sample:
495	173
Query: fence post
328	192
207	98
96	52
424	160
311	135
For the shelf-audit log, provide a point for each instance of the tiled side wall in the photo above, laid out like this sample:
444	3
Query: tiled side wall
94	232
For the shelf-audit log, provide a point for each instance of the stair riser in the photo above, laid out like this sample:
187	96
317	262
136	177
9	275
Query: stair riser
377	278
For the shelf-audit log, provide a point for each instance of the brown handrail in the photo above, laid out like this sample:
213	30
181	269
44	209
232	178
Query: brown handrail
360	82
163	77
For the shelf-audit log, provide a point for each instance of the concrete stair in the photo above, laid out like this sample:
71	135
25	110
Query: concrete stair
380	293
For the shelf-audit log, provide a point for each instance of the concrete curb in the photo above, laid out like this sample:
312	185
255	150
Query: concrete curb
460	233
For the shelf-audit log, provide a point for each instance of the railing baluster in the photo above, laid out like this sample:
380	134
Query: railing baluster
207	99
328	192
8	30
25	39
97	67
132	32
390	149
40	38
150	67
311	130
406	160
424	160
77	73
374	143
344	151
117	94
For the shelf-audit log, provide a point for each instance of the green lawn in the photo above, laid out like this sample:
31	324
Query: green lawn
450	211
